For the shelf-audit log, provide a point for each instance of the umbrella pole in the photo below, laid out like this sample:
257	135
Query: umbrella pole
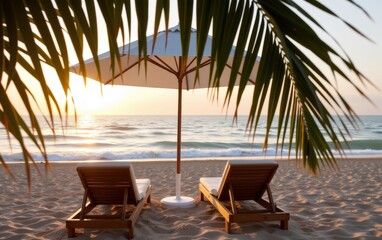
179	140
178	200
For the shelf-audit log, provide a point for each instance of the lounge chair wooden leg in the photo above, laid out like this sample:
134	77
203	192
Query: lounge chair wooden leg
131	233
83	213
270	197
125	196
284	224
228	227
71	232
232	199
201	196
148	199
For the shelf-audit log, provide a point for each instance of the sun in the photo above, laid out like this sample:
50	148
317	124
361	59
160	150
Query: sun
93	98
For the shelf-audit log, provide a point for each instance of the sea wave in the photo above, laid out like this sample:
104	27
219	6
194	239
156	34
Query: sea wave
120	128
168	154
369	144
207	145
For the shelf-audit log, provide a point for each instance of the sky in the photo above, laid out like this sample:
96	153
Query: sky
124	100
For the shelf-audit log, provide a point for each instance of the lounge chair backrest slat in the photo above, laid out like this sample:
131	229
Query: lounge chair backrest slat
247	178
106	182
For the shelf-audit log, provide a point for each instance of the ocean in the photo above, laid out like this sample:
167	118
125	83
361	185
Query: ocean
154	137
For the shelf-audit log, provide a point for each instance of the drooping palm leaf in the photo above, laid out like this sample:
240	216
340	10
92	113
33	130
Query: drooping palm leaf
289	84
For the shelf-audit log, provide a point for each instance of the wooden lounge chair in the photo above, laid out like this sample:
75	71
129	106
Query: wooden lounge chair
244	180
109	184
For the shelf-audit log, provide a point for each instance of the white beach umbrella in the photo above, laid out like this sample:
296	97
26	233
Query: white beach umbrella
162	71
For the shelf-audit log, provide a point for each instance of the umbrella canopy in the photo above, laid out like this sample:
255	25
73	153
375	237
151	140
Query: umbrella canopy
162	71
162	64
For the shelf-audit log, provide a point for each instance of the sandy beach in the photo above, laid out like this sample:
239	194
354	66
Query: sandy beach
333	205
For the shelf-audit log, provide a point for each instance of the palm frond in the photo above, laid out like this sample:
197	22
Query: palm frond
289	84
